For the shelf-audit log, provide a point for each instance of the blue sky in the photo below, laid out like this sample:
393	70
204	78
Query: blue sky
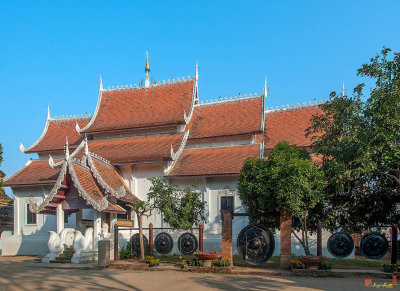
52	52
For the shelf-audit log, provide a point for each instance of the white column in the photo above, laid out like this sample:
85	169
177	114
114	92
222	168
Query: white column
60	218
18	216
113	219
96	228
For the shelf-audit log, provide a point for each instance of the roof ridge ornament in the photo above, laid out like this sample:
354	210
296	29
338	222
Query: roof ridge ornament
77	128
343	90
101	84
48	112
147	70
262	124
66	149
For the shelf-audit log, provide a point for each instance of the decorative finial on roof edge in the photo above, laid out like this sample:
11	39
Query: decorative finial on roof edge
51	162
48	112
101	84
147	67
77	128
262	123
86	146
21	147
343	90
196	73
66	148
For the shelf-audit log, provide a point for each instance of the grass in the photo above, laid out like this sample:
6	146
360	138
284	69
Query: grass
273	262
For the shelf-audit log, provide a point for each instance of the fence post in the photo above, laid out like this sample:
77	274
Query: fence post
319	238
116	242
394	244
201	236
150	239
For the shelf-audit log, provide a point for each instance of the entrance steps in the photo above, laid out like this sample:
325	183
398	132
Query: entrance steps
65	257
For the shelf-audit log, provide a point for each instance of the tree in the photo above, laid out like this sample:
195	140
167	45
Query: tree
288	181
181	208
1	159
360	143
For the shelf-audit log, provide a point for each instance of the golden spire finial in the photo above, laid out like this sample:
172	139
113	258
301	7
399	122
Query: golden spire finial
147	67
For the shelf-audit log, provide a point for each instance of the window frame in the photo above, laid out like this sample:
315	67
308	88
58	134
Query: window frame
26	216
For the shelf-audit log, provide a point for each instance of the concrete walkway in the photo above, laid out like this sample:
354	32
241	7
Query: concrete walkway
19	274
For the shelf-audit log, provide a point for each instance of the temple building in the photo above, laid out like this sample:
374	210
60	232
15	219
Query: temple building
88	168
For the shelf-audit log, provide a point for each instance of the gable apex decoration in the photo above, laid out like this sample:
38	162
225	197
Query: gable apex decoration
46	127
81	130
195	96
264	97
101	84
343	90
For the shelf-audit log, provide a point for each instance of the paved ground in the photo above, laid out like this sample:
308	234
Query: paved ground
15	274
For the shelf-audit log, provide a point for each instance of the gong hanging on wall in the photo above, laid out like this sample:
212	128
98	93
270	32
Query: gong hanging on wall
135	244
255	244
340	245
187	243
163	243
374	245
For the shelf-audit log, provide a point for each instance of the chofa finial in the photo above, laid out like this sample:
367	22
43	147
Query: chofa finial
196	74
343	90
101	84
66	148
147	70
265	88
48	112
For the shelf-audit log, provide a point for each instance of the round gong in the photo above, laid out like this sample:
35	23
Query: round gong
187	243
163	243
340	245
255	244
135	244
374	245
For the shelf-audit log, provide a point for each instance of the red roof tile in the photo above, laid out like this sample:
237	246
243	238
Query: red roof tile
54	137
136	149
111	176
226	118
89	185
146	107
289	125
213	161
34	172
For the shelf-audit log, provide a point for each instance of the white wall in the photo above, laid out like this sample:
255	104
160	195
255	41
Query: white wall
30	239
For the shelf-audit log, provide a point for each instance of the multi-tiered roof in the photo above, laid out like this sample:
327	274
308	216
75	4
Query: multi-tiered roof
159	123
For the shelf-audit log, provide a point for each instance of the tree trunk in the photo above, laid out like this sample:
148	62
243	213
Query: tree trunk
141	237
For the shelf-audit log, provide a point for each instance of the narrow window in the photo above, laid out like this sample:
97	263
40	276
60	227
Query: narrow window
30	216
227	203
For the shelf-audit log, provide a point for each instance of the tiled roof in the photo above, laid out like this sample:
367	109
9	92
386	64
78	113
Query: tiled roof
136	149
213	161
34	172
57	130
89	185
242	116
145	107
110	175
289	125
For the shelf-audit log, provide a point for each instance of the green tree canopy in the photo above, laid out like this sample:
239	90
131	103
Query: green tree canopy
359	139
181	208
287	181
